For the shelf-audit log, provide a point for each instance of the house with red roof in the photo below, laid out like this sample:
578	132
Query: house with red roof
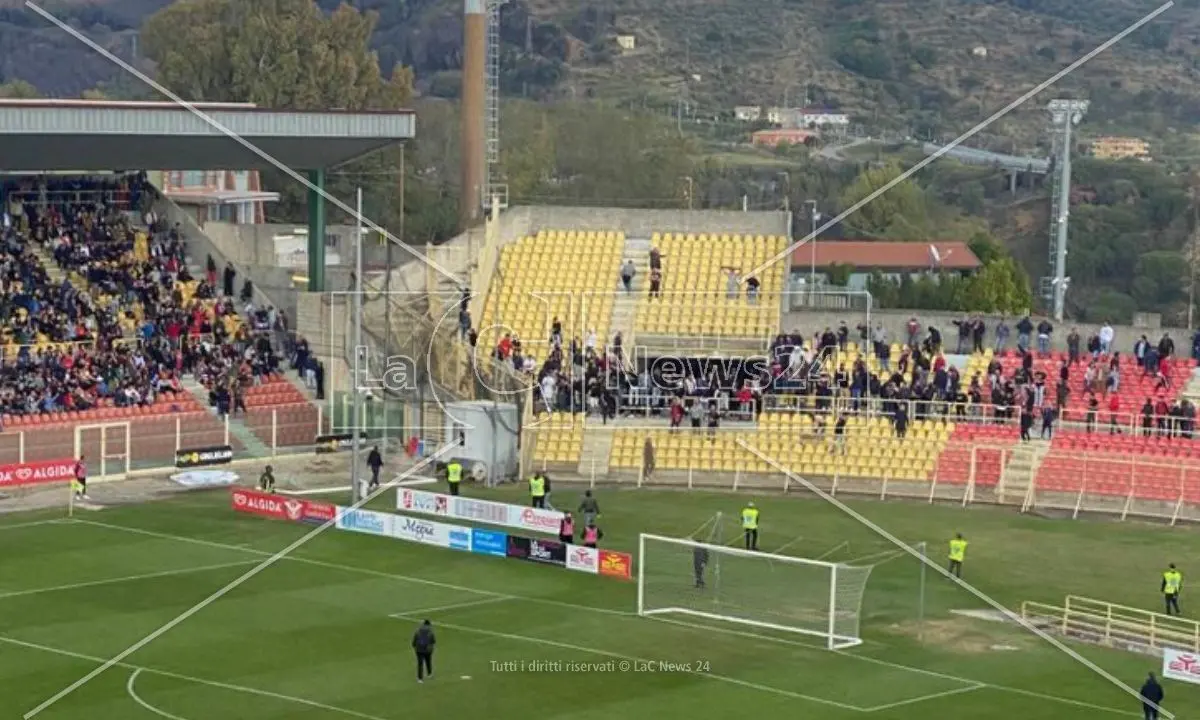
890	258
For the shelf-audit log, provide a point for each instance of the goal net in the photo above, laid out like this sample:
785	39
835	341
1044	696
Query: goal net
686	577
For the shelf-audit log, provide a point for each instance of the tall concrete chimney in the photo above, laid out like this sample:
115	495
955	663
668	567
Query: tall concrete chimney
474	167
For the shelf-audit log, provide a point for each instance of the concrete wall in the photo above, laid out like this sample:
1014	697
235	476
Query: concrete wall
894	321
643	223
255	244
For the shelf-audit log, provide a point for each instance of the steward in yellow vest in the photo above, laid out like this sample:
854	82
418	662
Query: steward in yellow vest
1172	583
750	525
539	485
454	472
958	553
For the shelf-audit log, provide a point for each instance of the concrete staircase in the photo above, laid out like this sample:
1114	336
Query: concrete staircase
237	427
55	272
625	304
1017	475
595	453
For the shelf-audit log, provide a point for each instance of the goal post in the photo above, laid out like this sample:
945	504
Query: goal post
777	592
107	447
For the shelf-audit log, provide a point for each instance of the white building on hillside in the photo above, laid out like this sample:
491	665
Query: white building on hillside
807	118
748	113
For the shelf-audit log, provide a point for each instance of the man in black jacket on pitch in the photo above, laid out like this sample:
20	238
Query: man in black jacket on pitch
1152	697
423	642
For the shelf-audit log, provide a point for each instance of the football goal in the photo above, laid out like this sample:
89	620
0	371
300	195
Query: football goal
779	592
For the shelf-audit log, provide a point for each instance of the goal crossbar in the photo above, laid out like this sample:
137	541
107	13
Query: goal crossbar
761	596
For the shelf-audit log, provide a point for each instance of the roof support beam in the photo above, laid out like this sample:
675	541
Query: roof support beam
316	232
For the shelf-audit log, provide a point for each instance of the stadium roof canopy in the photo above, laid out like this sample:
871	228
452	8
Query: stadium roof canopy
82	135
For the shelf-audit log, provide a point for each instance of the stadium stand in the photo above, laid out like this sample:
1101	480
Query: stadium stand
103	322
560	274
697	295
559	439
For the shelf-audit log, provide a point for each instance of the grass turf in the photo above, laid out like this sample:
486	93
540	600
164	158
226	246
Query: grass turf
325	634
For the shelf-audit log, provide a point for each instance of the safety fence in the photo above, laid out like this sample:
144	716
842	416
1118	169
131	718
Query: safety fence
1104	623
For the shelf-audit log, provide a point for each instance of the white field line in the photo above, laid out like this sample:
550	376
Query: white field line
926	698
126	578
883	555
129	688
1029	95
191	678
35	523
610	611
453	606
268	562
832	550
923	557
627	660
346	488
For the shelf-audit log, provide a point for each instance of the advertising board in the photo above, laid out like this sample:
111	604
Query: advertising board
485	511
489	542
1182	666
199	457
36	473
364	521
583	559
616	564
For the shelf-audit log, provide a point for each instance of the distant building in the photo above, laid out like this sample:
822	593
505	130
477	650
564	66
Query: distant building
1120	148
748	113
627	42
233	196
775	138
979	51
807	118
891	259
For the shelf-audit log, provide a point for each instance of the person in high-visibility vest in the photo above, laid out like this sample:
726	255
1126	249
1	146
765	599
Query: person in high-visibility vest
537	490
592	535
454	471
1172	583
958	553
750	525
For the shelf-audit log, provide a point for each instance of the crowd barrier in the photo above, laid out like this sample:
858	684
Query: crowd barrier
447	536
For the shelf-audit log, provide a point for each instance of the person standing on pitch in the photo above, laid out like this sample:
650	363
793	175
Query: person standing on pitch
538	487
589	508
423	642
958	553
566	529
592	535
1172	583
699	563
375	462
266	481
80	483
454	472
750	525
1152	697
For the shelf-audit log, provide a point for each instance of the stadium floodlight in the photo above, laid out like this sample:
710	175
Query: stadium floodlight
777	592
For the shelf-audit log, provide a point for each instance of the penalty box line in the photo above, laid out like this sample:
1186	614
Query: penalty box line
924	558
609	611
187	678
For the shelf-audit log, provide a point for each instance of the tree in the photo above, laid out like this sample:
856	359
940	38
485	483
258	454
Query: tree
275	53
900	211
19	90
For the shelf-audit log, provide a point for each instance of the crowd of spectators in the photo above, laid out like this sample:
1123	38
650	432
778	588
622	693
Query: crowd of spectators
127	319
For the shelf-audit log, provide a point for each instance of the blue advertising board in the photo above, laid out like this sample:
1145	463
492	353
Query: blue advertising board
489	542
460	538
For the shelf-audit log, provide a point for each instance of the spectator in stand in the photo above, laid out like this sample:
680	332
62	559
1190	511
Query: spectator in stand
752	285
1139	351
229	280
1024	330
1002	331
1093	406
1114	409
1048	415
978	332
1044	330
1166	346
732	283
914	332
964	334
655	258
655	284
843	336
627	273
210	271
1147	417
1106	338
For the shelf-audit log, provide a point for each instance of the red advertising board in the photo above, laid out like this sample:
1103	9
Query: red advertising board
282	508
616	564
36	473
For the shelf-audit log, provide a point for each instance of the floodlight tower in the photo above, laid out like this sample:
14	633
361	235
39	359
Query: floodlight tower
494	186
1064	115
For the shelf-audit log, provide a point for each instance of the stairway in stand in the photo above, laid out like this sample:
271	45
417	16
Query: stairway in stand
55	272
625	303
596	451
237	426
1018	474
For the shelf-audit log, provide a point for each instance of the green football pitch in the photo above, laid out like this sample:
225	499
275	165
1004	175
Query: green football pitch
325	633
